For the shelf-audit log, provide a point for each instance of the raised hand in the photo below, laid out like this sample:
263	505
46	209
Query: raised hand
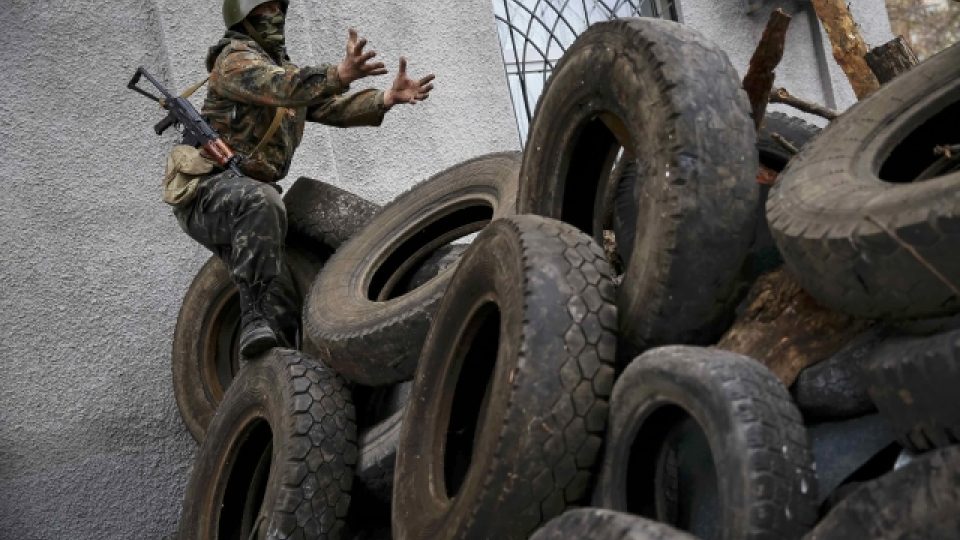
407	90
356	64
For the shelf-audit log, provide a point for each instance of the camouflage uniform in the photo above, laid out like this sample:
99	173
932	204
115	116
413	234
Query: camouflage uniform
242	219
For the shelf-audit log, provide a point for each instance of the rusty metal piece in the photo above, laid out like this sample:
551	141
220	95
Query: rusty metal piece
849	48
781	95
760	76
766	176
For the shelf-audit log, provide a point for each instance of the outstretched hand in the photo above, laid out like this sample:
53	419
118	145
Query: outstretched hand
407	90
356	64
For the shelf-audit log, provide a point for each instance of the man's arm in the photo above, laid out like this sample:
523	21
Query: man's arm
364	108
248	76
367	108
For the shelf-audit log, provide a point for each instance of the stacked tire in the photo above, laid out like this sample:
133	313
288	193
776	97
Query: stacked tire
522	334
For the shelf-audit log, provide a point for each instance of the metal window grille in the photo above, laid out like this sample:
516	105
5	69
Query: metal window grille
534	34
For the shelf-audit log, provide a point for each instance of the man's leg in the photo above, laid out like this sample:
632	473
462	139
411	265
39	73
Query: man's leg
244	222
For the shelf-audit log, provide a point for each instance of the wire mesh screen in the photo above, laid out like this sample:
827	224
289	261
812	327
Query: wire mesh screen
534	34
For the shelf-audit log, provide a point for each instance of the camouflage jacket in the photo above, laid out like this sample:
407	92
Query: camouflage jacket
246	87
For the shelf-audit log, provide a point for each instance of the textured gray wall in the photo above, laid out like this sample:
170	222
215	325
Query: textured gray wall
94	266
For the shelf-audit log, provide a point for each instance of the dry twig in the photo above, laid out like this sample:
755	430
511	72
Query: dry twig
780	95
787	145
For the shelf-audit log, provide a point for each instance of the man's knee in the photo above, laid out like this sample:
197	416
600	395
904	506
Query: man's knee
261	196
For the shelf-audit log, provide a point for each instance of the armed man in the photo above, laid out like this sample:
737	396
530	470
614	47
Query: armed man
259	102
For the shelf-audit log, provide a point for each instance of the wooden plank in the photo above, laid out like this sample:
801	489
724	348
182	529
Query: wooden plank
849	48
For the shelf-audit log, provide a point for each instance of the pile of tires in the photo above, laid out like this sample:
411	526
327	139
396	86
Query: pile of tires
524	334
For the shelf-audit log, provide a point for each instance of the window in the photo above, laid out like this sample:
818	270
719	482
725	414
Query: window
534	34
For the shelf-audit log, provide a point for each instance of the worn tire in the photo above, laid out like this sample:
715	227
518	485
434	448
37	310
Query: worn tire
319	214
763	255
376	343
913	382
918	501
509	404
678	107
379	437
302	414
764	485
600	524
835	389
205	355
838	210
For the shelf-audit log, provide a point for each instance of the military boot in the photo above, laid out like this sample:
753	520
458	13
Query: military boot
256	335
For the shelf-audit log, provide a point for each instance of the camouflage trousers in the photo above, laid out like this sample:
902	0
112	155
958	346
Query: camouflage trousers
244	223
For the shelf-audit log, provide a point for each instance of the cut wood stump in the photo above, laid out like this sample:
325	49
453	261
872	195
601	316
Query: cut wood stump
891	59
785	329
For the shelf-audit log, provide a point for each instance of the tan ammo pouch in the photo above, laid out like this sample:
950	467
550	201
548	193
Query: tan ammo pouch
185	167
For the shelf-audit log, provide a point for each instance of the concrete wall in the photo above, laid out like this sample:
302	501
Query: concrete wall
93	263
94	266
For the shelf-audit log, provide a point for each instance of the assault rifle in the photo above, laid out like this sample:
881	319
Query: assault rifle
196	131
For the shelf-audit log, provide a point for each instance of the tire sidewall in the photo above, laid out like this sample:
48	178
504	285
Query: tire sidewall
422	443
643	389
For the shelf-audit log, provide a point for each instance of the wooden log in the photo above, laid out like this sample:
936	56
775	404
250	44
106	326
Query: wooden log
786	330
891	59
760	76
848	45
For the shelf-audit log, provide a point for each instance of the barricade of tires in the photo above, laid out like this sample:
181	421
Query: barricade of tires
524	334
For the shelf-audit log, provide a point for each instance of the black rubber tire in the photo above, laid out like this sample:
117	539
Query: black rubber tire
837	221
798	132
440	260
835	389
376	343
319	214
764	485
509	405
601	524
303	413
205	355
379	439
678	107
918	501
913	382
763	255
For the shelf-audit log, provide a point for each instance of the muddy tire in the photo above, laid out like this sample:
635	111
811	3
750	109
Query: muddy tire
599	524
319	214
710	442
673	102
282	445
206	355
842	210
509	406
357	317
919	500
914	382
